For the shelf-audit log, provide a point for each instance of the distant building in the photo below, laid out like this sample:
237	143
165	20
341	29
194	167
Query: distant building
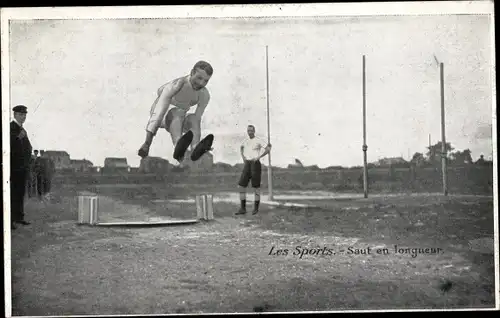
154	165
61	159
390	161
81	165
116	164
222	167
134	169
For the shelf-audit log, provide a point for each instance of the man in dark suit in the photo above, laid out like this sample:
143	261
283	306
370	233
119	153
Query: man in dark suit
20	155
45	170
40	174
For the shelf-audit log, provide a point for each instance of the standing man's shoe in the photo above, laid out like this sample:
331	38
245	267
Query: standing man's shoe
23	222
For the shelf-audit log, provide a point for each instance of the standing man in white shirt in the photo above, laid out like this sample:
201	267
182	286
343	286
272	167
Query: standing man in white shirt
252	150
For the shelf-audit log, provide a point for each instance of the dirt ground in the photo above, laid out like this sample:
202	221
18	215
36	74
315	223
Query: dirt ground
282	259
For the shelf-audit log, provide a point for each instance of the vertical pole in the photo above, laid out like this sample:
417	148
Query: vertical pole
443	135
431	154
365	147
269	169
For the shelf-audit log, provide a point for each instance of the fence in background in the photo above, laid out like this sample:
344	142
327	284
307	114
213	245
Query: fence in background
467	179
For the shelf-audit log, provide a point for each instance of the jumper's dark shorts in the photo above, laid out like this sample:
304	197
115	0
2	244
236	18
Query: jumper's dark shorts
251	171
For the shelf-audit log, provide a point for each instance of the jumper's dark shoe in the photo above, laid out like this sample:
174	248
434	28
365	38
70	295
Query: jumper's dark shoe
202	147
182	146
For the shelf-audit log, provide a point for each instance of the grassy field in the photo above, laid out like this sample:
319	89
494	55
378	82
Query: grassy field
282	259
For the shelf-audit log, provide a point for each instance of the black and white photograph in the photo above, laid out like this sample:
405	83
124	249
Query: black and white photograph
261	158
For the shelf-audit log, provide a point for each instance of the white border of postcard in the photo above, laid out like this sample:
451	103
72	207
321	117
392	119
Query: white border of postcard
221	11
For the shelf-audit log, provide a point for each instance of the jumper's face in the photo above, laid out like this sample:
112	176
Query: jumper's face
199	79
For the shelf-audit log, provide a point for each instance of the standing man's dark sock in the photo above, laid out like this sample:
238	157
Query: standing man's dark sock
243	201
256	201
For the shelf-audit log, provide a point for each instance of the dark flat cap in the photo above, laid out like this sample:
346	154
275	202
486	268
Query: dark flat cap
20	109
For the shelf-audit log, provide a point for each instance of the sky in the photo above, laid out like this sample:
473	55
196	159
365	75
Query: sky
89	84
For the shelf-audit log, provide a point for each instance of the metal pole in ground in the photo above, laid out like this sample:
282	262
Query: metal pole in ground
443	135
269	169
365	147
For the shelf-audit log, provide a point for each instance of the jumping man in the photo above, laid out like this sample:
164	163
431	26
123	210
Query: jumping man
182	93
252	150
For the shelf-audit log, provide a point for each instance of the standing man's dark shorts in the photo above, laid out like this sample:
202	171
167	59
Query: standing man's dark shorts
251	171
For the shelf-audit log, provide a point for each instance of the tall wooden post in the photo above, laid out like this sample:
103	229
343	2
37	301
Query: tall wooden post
443	134
269	169
365	147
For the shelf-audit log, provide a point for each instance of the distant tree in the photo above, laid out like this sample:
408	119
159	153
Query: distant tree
461	157
481	160
334	168
313	167
298	163
434	151
418	159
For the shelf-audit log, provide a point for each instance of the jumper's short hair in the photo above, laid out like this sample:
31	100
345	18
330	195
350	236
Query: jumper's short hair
202	65
251	126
